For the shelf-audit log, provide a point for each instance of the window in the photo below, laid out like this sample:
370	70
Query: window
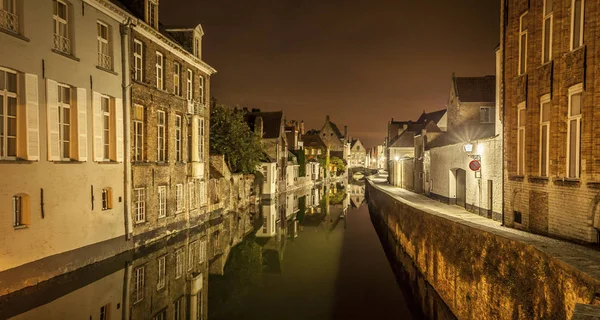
161	315
61	27
178	139
105	312
197	47
574	132
162	144
20	210
547	28
105	109
178	309
190	85
8	114
577	15
179	263
162	201
201	89
202	191
177	79
202	251
152	13
201	139
191	255
523	44
485	115
162	272
179	198
192	188
138	284
64	121
104	58
544	135
138	133
139	205
160	60
106	198
138	58
8	16
522	118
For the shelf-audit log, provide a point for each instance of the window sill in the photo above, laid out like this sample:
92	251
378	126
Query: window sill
108	209
70	56
107	70
67	162
20	227
107	162
567	182
162	163
16	35
17	161
180	163
139	223
516	178
538	179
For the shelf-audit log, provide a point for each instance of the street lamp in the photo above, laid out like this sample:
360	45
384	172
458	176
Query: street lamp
396	158
468	147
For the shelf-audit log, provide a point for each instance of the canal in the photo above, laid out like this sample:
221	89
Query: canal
310	254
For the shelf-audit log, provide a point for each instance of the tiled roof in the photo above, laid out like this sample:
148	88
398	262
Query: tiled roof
435	116
405	140
313	141
476	89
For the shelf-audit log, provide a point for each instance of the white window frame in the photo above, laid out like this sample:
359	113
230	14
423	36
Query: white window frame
202	253
574	90
61	41
201	84
152	13
139	205
62	125
161	121
545	126
177	79
548	19
162	272
160	74
178	138
201	133
179	198
581	25
522	125
190	85
490	118
522	64
139	275
162	201
106	199
104	56
138	60
179	263
18	202
178	309
138	133
5	95
106	121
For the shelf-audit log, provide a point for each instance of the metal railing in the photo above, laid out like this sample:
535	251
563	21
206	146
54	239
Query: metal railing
104	61
9	21
62	44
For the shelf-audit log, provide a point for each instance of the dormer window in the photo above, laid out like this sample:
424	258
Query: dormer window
197	47
152	13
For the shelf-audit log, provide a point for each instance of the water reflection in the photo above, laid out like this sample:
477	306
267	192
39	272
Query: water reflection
307	254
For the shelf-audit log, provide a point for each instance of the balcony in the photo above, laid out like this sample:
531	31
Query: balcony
104	61
62	44
195	107
196	169
9	21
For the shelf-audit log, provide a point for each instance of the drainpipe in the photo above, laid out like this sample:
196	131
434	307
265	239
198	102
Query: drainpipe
503	15
125	50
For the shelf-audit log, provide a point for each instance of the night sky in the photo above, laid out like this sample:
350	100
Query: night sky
361	62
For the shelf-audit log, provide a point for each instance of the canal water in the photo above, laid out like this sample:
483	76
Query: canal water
310	254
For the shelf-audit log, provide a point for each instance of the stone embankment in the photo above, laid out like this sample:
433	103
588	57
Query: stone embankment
480	269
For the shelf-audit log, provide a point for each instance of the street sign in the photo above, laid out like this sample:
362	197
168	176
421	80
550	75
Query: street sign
475	165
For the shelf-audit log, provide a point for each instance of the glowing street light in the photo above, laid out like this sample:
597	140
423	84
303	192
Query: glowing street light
396	158
468	147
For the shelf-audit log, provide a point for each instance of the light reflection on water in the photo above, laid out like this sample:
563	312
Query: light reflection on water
309	254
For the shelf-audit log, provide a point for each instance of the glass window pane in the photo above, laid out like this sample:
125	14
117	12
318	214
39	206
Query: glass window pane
549	6
547	32
12	107
11	82
577	24
575	104
62	11
11	147
543	150
11	127
2	79
572	148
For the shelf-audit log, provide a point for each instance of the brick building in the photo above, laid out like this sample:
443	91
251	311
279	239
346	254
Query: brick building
551	66
168	123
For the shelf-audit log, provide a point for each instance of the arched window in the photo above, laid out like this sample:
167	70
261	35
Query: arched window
20	204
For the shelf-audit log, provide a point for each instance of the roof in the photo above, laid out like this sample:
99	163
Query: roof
271	123
334	128
435	116
405	140
475	89
313	141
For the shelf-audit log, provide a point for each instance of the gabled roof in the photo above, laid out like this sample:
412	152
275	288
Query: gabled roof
475	89
435	116
271	123
334	128
313	141
405	140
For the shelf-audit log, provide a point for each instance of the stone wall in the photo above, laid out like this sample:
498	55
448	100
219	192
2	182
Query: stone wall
479	274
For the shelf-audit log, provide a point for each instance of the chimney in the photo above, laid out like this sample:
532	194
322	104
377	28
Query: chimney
302	127
258	127
345	131
327	118
405	126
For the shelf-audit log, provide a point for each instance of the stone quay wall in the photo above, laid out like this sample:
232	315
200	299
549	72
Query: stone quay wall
477	273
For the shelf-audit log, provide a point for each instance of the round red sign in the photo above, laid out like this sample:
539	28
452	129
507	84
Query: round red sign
475	165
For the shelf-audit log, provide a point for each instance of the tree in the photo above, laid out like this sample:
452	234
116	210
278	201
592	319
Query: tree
339	165
231	136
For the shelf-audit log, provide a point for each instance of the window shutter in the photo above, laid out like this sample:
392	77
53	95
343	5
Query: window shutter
33	117
82	142
194	150
52	118
119	128
97	109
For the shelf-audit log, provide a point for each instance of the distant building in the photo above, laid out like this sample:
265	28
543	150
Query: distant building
358	154
293	132
334	140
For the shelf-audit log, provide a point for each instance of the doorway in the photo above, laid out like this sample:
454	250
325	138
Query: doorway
461	188
490	198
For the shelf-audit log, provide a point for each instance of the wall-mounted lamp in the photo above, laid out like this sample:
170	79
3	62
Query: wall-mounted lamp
468	147
396	158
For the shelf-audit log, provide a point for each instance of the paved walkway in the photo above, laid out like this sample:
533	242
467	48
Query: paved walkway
585	259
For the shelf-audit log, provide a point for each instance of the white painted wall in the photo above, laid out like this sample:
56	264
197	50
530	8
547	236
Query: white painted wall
269	170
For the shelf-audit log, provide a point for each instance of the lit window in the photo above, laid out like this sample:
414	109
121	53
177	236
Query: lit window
105	109
577	14
106	199
162	201
64	121
138	284
177	79
104	58
162	272
139	205
8	114
178	139
544	135
574	132
138	133
190	85
523	44
160	60
179	198
61	27
522	118
162	143
138	58
547	27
